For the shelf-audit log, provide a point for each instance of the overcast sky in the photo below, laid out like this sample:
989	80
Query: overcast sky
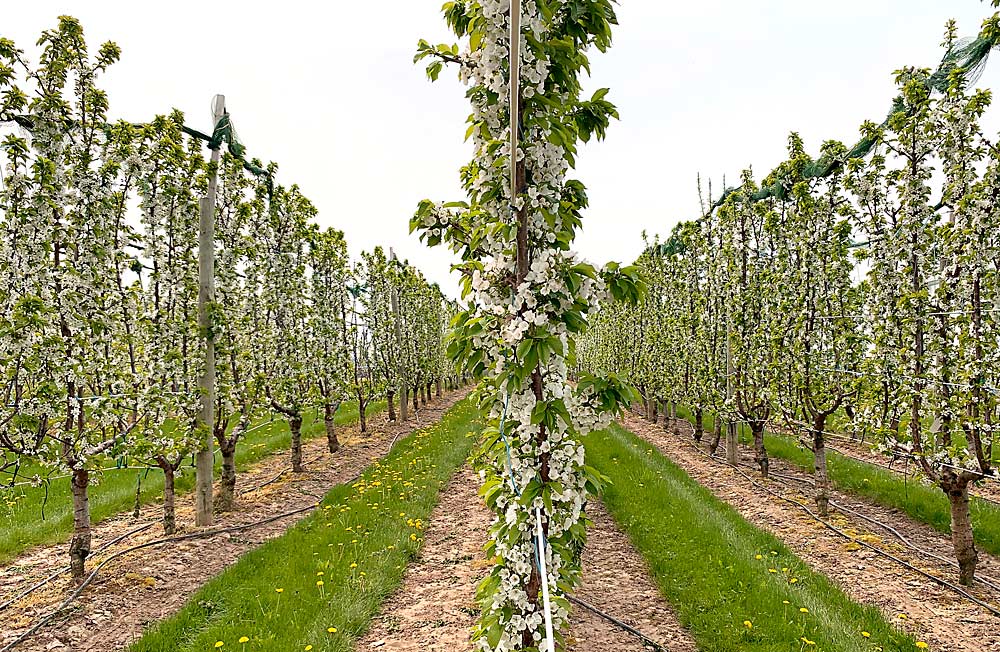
328	90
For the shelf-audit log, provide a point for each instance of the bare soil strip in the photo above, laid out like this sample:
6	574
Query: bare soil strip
434	610
918	605
149	585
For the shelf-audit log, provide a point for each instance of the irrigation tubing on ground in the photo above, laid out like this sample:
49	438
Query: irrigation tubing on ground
611	619
785	479
945	583
163	541
149	544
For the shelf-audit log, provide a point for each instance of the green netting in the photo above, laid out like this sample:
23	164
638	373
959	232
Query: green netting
226	133
967	57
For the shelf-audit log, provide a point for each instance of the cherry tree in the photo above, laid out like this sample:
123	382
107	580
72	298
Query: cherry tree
530	295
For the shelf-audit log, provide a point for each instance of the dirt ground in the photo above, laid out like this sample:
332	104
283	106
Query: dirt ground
935	614
146	586
435	609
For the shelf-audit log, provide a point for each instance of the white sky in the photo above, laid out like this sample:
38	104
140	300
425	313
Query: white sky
329	91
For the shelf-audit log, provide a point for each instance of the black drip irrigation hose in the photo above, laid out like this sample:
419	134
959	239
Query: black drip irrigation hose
6	605
784	479
945	583
207	534
149	544
614	621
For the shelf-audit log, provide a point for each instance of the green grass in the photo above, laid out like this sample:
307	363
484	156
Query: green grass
112	492
920	501
370	523
703	556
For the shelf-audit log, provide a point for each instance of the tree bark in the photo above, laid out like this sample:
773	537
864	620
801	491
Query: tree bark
329	414
295	424
673	418
759	451
226	498
961	530
79	547
650	410
821	476
169	518
362	417
390	397
716	435
437	388
416	398
699	424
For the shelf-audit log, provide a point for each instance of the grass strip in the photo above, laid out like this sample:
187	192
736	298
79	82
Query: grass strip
112	492
733	585
318	586
919	500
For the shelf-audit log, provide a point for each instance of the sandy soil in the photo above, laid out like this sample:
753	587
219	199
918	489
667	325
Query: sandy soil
435	609
149	585
935	614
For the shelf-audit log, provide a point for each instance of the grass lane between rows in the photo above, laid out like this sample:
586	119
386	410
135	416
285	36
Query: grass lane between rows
112	492
919	500
733	585
318	586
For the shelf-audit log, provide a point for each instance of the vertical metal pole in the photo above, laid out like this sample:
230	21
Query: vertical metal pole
206	296
403	403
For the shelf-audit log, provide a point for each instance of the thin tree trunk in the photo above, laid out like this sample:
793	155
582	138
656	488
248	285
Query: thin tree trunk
650	411
716	435
330	411
79	547
673	418
362	417
821	476
699	424
437	388
169	518
416	398
759	451
295	424
656	412
390	397
961	530
225	500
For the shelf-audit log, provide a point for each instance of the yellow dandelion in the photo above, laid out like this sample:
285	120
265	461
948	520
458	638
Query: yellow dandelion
332	630
354	565
807	641
748	624
219	644
244	639
803	610
866	634
758	556
308	647
319	583
921	645
279	590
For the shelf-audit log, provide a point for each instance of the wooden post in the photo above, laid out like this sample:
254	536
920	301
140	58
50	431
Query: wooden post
732	433
403	403
206	297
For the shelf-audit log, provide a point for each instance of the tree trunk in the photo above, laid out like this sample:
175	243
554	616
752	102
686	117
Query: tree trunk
650	410
437	388
169	519
699	424
329	412
390	397
759	451
430	384
961	530
821	476
716	435
295	424
673	418
416	398
225	500
362	417
79	547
